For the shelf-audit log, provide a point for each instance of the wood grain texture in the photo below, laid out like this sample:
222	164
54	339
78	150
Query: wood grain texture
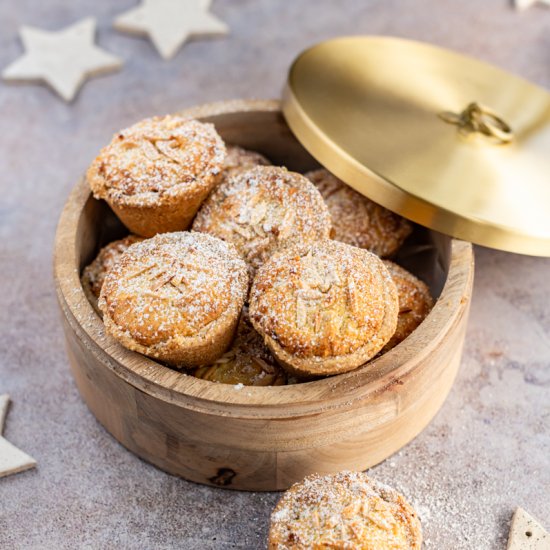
257	438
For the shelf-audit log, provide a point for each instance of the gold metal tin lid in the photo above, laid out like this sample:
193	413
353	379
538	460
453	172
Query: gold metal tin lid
452	143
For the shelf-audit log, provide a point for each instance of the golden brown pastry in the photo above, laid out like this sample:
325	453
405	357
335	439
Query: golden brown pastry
415	302
359	221
263	209
94	274
238	159
324	308
156	174
346	511
247	362
176	297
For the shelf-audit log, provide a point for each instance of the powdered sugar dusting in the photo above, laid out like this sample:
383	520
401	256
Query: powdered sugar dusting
155	159
357	220
263	209
346	510
415	302
240	159
327	299
95	273
173	285
247	362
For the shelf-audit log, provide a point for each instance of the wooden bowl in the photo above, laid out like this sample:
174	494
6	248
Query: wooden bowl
261	438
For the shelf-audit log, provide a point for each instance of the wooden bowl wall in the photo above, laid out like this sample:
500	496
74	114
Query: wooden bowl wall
260	438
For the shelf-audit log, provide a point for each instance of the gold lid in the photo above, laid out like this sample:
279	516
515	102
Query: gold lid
446	141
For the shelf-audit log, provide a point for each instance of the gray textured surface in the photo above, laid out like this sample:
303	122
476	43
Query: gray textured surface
485	453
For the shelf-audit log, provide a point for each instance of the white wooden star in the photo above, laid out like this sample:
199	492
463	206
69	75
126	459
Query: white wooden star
524	4
12	460
169	23
527	533
62	59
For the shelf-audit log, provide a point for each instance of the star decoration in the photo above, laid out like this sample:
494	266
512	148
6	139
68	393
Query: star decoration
169	23
527	533
12	460
62	59
524	4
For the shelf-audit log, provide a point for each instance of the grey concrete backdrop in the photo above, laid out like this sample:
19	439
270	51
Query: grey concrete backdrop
488	449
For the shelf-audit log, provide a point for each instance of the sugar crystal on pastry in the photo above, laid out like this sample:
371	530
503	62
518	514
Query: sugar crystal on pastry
156	173
325	307
248	361
357	220
94	274
346	510
263	209
176	297
415	302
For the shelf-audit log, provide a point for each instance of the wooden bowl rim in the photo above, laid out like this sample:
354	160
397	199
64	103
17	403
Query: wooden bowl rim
269	402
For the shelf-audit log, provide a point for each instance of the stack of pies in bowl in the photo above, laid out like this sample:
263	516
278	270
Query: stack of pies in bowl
242	272
258	310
